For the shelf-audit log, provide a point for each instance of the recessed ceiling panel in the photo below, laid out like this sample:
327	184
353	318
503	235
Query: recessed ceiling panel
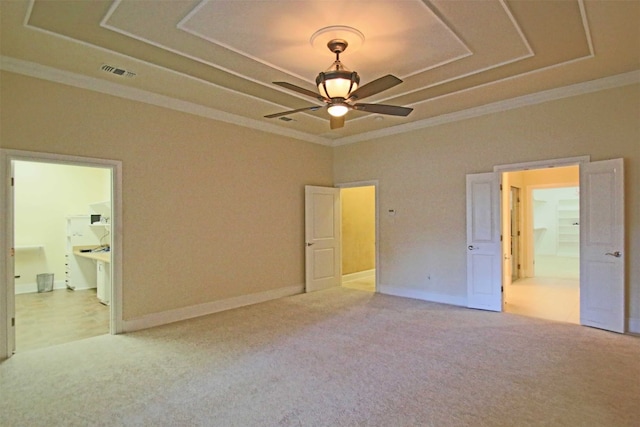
278	34
219	58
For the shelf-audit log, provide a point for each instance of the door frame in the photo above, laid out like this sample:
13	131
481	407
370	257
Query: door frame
7	291
540	164
374	184
516	256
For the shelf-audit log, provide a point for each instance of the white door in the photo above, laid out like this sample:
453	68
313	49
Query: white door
602	258
322	238
484	254
8	335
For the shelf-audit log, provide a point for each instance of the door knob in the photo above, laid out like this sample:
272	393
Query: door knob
616	254
471	247
309	244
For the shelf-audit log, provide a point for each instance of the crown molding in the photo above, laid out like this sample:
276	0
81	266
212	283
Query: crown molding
619	80
55	75
43	72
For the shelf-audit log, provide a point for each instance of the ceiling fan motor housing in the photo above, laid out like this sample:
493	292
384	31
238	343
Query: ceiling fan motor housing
337	46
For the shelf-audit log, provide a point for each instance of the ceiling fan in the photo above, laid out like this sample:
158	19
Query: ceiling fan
338	89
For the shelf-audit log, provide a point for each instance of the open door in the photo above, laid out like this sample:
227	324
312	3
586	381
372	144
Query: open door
7	297
602	260
322	238
484	249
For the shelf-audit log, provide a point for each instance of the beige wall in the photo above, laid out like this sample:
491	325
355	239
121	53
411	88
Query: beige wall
422	176
44	195
203	199
358	229
211	210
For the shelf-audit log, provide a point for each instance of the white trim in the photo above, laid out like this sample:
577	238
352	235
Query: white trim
543	164
7	293
35	70
104	24
38	71
619	80
585	24
358	275
7	156
184	313
423	295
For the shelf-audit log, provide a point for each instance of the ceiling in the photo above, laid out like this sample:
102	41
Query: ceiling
219	58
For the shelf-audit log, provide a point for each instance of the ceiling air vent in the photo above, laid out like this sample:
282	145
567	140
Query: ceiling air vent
117	71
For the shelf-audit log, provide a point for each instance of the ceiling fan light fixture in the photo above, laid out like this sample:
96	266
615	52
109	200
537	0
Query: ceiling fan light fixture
337	81
338	109
338	89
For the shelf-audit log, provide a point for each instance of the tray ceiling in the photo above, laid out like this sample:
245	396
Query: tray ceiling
221	57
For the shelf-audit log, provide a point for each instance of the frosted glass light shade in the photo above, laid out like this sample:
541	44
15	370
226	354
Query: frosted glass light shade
337	110
337	87
337	81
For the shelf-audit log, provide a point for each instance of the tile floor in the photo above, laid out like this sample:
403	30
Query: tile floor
545	297
50	318
552	298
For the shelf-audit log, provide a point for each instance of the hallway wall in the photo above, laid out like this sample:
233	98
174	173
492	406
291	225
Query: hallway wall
358	229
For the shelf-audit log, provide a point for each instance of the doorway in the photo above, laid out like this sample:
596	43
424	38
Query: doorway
542	243
55	290
602	239
358	236
46	190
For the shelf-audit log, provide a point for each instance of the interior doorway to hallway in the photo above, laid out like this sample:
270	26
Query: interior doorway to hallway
541	247
359	225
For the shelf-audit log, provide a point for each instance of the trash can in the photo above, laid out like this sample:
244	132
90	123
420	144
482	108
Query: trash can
45	282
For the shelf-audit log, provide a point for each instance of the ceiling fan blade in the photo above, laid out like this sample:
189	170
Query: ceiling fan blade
392	110
376	86
286	113
299	90
337	122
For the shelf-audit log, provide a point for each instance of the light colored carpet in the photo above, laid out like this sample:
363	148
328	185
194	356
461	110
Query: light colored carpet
340	357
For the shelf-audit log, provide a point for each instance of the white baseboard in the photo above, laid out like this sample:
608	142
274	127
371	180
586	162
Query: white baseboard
358	275
32	288
634	325
422	295
170	316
